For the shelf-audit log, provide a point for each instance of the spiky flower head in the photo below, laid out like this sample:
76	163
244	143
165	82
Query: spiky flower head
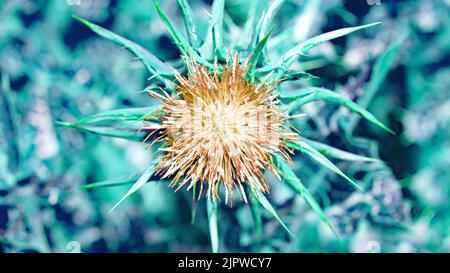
221	129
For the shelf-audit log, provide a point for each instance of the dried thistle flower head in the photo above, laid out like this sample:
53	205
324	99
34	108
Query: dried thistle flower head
221	129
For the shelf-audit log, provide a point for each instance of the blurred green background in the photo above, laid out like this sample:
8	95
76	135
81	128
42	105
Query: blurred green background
54	68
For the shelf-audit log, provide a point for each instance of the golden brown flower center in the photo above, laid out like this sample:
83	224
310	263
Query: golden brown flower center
221	131
218	122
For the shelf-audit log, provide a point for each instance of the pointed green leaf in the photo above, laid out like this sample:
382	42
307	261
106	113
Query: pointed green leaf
269	15
255	56
301	49
333	152
296	184
178	39
251	27
213	44
314	154
157	67
132	135
173	32
218	8
305	46
266	204
315	94
138	184
266	23
213	228
126	114
119	181
294	76
191	29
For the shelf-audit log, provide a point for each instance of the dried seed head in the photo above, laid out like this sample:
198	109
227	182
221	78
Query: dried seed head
221	129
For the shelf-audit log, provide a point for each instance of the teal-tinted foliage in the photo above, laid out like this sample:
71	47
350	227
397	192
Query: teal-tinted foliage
370	174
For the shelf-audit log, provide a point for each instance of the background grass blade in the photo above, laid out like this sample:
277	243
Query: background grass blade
194	204
8	124
266	204
301	29
213	228
295	183
316	94
314	154
379	72
161	70
256	215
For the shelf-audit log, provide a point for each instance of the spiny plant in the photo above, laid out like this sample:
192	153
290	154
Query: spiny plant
232	86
